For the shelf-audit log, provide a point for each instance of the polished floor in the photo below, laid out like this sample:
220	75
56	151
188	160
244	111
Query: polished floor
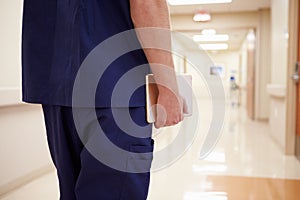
246	164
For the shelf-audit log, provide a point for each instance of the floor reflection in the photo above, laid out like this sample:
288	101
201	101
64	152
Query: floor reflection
246	164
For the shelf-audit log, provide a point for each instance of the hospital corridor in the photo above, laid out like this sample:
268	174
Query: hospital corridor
245	164
242	138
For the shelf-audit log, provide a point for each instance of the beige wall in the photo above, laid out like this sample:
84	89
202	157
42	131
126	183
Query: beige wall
10	22
244	72
231	62
263	65
10	51
24	152
279	42
279	54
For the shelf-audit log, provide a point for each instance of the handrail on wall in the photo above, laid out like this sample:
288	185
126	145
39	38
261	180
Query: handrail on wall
10	96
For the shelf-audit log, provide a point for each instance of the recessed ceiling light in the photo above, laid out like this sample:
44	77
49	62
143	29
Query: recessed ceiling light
251	36
208	32
202	16
195	2
286	35
218	46
211	38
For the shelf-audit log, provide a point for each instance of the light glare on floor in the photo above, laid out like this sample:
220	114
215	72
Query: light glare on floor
205	196
211	168
218	157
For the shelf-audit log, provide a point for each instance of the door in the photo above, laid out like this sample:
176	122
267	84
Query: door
298	94
250	82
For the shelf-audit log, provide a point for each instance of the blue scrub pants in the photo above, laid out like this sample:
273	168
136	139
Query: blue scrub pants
83	177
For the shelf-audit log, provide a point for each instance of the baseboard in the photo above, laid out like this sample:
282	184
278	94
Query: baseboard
21	181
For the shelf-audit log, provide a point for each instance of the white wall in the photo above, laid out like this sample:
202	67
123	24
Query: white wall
23	149
279	51
24	153
244	60
263	65
10	51
230	60
10	41
244	73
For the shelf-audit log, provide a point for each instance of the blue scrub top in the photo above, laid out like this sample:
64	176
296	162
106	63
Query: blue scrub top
58	35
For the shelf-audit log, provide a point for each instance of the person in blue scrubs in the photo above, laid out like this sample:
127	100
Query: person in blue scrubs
57	36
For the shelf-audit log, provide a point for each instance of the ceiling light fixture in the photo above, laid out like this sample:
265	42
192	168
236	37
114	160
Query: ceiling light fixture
208	32
195	2
218	46
202	16
211	38
251	36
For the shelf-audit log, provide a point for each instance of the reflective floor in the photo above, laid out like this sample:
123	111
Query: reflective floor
245	164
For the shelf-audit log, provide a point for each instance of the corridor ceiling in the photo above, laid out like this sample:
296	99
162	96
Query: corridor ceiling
236	34
235	6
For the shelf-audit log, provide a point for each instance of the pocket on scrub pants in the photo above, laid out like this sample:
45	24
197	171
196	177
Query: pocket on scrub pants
136	183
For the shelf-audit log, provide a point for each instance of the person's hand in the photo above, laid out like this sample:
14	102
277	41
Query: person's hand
170	109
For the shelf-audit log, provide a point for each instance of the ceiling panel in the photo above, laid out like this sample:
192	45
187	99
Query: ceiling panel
236	37
235	6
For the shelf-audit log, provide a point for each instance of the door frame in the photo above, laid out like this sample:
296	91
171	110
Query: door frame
291	86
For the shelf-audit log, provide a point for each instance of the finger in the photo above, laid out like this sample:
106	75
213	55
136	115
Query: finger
157	125
160	124
161	116
175	121
185	107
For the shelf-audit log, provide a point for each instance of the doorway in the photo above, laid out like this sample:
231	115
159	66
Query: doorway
298	94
